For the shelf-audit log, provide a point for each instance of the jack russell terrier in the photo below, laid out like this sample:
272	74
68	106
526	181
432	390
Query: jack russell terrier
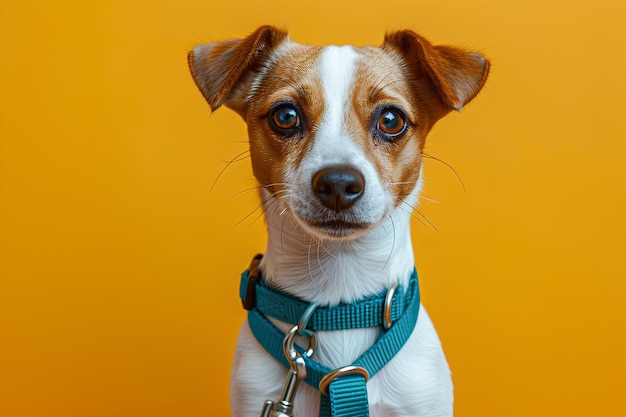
336	138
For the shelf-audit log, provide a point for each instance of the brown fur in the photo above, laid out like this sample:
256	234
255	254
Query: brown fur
222	65
437	78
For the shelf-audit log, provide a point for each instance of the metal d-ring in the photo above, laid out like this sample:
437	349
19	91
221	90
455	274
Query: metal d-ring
387	323
346	370
304	319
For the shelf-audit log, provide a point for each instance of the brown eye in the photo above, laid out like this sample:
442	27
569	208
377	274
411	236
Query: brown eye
284	119
391	122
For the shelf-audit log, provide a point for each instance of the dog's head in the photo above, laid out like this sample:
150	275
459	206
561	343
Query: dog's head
337	133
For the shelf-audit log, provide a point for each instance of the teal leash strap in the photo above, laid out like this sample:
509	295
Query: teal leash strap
347	397
325	406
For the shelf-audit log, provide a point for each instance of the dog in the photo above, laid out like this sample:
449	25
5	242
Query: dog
336	135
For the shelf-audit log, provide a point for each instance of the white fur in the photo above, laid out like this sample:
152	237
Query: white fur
333	144
301	261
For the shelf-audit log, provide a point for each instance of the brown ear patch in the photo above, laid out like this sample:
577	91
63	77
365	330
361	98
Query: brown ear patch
456	75
217	68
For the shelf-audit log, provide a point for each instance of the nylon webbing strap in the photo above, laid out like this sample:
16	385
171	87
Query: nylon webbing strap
347	396
368	312
347	393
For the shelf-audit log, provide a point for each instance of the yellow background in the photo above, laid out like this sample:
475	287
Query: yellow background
119	269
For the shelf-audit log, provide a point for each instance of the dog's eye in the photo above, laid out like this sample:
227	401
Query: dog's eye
391	122
284	119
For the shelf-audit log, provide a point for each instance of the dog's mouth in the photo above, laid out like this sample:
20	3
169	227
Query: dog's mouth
323	223
338	229
337	226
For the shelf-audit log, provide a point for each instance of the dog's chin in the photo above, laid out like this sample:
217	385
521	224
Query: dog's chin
335	229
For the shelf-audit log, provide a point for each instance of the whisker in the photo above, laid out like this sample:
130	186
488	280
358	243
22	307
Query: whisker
380	86
328	252
237	194
422	218
249	214
277	206
421	197
449	166
256	208
259	187
308	258
274	197
282	227
237	158
319	259
393	245
265	208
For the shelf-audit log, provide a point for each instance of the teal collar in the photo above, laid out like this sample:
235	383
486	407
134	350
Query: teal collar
367	312
343	390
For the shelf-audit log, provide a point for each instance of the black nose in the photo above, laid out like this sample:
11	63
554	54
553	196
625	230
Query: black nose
338	187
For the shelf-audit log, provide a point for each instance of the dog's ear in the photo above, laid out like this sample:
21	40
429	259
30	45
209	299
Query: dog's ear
456	75
221	69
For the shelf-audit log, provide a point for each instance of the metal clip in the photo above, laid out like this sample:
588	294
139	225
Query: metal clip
297	371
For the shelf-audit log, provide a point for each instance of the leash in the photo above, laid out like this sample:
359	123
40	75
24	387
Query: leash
343	390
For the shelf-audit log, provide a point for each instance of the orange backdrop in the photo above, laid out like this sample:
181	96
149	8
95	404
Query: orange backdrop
119	268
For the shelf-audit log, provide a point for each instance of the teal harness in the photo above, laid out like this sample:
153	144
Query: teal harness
343	390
